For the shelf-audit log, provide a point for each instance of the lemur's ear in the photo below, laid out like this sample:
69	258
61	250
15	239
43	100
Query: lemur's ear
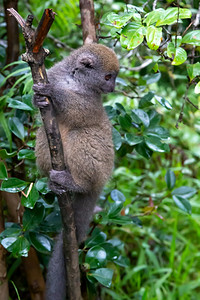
86	61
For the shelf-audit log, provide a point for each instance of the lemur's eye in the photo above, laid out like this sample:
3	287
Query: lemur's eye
89	66
108	77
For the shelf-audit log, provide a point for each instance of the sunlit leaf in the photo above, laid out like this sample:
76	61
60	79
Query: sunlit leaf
132	35
154	16
179	57
193	70
172	14
192	37
153	37
197	88
103	276
119	20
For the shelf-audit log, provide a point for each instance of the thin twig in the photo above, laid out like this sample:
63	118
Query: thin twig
188	100
154	4
142	66
176	36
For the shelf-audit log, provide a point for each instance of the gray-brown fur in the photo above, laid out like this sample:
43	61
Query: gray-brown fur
75	87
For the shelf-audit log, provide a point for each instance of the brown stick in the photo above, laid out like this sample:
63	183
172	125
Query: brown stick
34	275
35	56
87	21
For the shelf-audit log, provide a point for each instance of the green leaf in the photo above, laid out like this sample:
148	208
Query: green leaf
158	131
197	88
155	144
13	185
180	56
33	217
125	121
18	104
96	257
120	107
116	219
154	36
177	40
143	150
133	139
184	191
163	102
97	238
132	35
182	203
19	246
154	16
114	209
40	242
103	276
152	78
31	199
142	115
170	179
122	261
171	49
26	153
42	186
145	101
117	196
10	232
119	20
3	171
4	124
154	117
111	112
193	70
4	154
17	127
172	14
117	139
192	38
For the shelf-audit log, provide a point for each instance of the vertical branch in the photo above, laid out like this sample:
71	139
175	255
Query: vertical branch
12	50
35	56
87	21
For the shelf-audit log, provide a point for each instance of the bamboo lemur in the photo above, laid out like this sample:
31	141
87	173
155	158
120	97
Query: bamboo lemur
75	87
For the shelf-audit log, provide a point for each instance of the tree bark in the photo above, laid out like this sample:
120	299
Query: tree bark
12	50
88	21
